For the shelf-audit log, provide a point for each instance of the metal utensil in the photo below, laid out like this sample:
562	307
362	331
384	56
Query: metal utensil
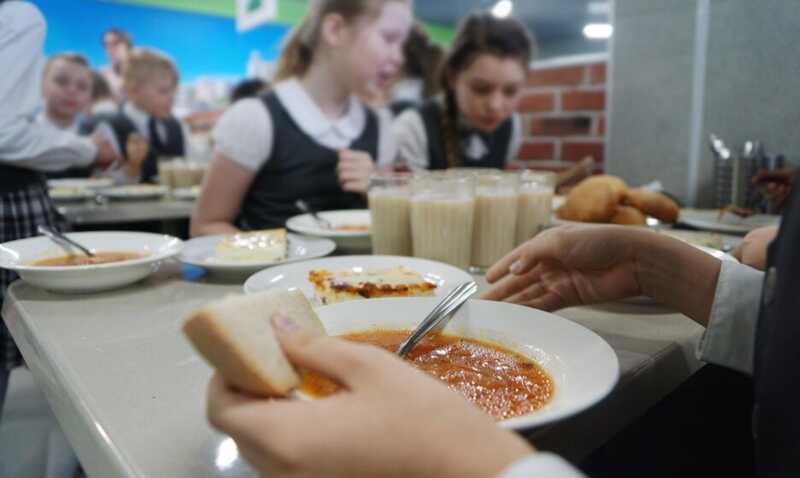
63	240
304	207
718	147
439	316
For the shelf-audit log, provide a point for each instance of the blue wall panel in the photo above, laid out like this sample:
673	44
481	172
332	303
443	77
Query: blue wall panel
201	45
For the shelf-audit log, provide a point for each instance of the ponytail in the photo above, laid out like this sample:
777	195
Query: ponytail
297	53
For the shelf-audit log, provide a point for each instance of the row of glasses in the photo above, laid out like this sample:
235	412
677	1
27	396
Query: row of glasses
467	218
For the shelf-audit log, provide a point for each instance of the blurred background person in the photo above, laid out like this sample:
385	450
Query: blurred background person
474	124
66	90
419	78
28	149
151	81
249	88
102	98
310	137
118	45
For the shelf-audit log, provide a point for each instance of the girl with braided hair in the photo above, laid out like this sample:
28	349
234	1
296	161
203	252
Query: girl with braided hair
472	124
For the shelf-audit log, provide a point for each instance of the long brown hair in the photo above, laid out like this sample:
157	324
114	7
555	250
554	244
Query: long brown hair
423	60
480	33
298	51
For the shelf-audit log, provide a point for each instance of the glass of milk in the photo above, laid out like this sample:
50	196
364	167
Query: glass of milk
495	230
442	218
390	209
536	190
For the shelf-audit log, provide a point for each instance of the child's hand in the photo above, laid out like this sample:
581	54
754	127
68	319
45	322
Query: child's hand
136	150
106	155
354	170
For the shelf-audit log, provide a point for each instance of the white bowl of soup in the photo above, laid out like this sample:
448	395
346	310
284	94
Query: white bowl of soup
522	366
122	258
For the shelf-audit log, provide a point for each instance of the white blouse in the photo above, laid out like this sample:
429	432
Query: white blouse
245	132
412	139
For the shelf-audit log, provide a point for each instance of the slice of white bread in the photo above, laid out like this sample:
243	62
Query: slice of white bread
236	336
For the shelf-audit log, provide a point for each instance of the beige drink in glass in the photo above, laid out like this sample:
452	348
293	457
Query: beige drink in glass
182	175
535	209
442	218
390	209
494	233
165	169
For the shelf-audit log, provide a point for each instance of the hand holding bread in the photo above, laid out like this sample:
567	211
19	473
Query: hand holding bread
363	431
236	337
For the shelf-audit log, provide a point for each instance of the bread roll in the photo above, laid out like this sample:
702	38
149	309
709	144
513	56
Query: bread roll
594	200
653	204
236	337
629	216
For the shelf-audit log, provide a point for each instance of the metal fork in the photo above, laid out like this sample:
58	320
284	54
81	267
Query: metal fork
304	207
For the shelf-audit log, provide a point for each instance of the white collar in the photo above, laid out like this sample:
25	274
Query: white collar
308	116
42	118
138	117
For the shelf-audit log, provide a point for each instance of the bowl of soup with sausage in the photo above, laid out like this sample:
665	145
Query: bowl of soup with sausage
522	366
120	259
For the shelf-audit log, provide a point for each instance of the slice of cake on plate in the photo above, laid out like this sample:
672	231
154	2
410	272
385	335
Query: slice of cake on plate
270	245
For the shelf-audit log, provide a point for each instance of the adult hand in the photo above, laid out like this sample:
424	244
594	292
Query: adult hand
752	251
390	420
106	154
354	170
775	185
567	266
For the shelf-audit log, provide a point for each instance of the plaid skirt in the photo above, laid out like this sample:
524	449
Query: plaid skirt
20	214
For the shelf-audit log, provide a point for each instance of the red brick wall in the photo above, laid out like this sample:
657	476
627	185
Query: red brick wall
563	114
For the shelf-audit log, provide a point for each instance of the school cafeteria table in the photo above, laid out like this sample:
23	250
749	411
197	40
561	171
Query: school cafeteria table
129	392
109	213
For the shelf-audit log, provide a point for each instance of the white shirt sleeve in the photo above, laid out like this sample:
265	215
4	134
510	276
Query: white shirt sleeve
412	140
729	339
541	465
387	146
245	133
516	138
23	142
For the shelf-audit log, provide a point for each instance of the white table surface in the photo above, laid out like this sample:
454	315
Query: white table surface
129	391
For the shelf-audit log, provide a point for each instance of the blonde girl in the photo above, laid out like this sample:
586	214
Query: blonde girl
310	137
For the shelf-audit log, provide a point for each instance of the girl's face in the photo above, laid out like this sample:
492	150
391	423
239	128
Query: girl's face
67	88
373	55
488	91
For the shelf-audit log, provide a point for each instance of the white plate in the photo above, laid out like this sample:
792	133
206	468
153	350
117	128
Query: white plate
583	366
88	183
353	241
709	220
68	194
186	194
135	191
295	276
200	252
18	255
652	223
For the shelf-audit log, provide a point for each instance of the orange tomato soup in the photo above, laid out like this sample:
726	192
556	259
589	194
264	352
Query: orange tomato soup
83	260
501	382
